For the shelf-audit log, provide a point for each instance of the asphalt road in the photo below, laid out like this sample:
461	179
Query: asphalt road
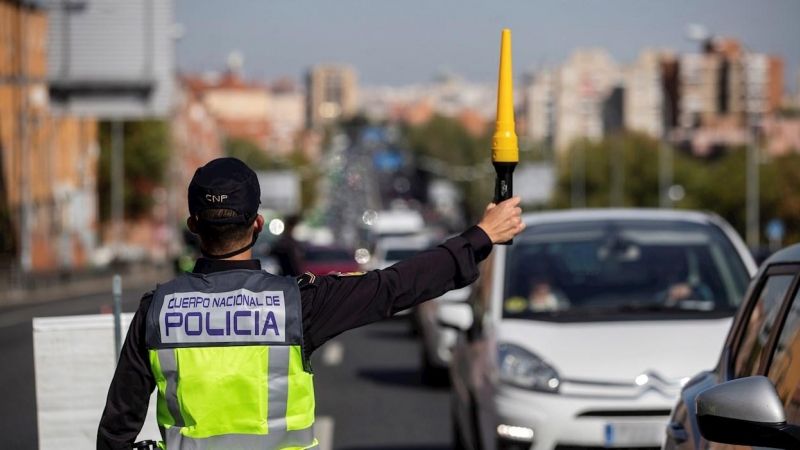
17	385
375	396
369	393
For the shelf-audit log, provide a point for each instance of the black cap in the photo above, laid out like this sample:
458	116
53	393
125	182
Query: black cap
225	183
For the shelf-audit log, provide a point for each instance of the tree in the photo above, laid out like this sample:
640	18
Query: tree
446	140
146	149
258	159
251	154
715	184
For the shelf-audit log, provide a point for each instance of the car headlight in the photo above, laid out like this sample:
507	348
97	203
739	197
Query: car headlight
522	368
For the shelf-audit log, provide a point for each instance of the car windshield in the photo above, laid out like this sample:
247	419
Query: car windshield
595	268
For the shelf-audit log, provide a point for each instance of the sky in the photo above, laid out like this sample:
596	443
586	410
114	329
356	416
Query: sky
402	42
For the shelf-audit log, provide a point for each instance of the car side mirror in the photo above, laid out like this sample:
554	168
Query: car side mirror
456	295
746	411
456	315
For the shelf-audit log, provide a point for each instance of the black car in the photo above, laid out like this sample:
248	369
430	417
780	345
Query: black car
752	398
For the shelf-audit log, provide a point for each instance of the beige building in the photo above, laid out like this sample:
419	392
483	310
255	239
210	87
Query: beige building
331	94
700	81
540	97
585	82
287	115
644	100
241	107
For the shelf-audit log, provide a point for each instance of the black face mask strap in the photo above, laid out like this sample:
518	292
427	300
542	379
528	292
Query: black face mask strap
233	253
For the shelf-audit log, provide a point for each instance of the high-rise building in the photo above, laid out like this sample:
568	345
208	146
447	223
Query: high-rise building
700	88
585	81
720	86
286	114
331	94
540	104
646	99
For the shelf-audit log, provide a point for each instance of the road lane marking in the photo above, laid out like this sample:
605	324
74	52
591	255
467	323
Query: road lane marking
333	353
323	429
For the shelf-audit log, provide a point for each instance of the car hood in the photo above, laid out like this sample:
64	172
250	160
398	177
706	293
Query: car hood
621	351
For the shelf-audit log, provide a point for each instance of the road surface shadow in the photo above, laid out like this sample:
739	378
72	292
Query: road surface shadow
402	377
398	447
394	334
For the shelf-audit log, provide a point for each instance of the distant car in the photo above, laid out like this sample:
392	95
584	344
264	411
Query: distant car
323	260
581	333
436	341
262	250
391	250
763	341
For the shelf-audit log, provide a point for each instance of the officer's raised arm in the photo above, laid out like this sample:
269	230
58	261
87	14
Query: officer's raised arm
336	303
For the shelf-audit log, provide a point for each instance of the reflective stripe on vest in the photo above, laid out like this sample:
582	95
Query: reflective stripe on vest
229	390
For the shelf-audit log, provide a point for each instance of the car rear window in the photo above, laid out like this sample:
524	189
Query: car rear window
591	268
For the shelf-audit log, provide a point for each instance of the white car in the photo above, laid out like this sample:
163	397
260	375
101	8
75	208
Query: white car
391	250
436	341
581	333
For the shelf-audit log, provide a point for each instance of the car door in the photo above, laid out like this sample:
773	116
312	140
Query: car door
472	361
783	365
756	334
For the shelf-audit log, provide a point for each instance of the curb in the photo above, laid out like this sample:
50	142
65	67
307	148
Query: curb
99	285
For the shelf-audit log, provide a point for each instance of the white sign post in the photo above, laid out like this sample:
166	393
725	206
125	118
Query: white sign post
74	360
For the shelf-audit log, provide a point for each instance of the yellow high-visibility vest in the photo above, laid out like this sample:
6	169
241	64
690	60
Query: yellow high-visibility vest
226	351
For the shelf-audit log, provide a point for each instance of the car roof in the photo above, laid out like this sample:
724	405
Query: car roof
577	215
403	242
691	216
789	254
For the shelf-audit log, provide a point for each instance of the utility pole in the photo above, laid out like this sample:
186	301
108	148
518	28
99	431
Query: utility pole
578	156
752	193
578	176
617	199
753	232
117	180
25	160
665	160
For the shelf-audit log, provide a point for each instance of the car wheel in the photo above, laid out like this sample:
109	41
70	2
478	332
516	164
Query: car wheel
432	375
458	441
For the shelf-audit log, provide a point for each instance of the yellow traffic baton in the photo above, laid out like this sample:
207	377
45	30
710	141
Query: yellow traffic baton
505	149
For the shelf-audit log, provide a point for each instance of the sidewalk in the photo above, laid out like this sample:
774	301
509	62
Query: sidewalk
54	290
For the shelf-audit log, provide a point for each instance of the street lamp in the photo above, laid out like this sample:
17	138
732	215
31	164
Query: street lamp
701	34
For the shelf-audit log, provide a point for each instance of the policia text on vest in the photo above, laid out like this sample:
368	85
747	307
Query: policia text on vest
238	316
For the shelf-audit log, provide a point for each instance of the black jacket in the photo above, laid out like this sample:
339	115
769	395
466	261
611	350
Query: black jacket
331	304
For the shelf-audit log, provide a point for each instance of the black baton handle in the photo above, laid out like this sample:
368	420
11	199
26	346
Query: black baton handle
504	186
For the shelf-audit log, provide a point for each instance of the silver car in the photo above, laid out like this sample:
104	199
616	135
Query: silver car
752	396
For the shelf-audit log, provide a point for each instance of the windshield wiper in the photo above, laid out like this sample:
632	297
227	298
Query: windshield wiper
635	308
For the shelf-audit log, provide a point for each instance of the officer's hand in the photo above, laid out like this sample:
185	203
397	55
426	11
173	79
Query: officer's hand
504	221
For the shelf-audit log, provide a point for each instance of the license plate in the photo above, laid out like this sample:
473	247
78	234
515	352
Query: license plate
633	433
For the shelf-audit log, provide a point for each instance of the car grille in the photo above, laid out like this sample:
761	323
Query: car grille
581	447
626	413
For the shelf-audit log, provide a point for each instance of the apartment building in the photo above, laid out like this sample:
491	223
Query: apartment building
48	162
331	94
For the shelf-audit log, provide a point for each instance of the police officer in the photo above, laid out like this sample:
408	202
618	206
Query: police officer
228	345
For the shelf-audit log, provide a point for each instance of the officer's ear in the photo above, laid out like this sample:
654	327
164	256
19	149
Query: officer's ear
258	225
190	222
